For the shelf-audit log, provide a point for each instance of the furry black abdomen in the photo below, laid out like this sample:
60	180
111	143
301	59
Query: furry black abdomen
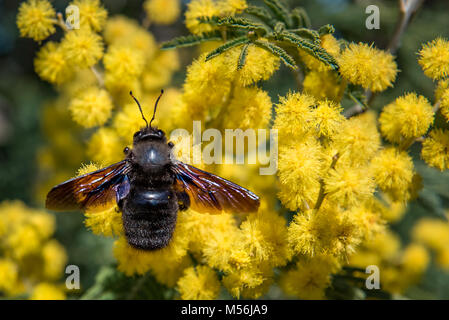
149	218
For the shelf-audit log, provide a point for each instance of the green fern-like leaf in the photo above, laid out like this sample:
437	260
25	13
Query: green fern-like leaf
300	18
191	40
277	51
262	14
227	46
326	29
235	22
307	33
280	11
311	48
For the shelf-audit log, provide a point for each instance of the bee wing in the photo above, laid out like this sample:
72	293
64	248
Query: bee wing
213	194
94	191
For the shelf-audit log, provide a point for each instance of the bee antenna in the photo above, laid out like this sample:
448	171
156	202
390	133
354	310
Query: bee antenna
140	108
155	106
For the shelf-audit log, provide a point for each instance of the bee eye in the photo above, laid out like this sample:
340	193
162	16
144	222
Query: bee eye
171	144
137	134
160	132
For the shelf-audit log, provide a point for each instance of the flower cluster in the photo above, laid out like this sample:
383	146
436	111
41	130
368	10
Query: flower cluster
338	183
31	262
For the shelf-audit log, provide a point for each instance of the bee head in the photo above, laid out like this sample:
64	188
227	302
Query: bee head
149	133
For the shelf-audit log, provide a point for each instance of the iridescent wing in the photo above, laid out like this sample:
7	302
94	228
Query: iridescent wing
94	191
212	194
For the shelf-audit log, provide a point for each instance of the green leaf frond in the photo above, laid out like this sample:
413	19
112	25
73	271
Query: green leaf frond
235	22
227	46
277	51
272	27
242	57
191	40
300	18
313	49
309	34
262	14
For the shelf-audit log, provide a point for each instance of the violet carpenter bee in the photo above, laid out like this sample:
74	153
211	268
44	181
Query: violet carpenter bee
150	186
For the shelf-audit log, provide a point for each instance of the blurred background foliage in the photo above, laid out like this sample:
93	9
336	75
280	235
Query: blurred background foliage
22	94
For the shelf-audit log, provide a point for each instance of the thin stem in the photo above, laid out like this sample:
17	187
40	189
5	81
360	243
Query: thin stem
60	22
98	75
407	8
322	193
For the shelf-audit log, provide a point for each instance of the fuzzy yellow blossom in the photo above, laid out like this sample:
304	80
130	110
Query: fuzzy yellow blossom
51	64
415	259
224	248
197	9
442	258
358	133
249	283
384	246
393	172
349	186
442	86
55	259
105	146
433	233
259	65
368	219
87	168
9	275
323	85
29	255
249	108
394	212
47	291
162	11
328	231
434	58
293	117
107	223
328	118
200	283
36	19
92	108
309	279
408	117
231	7
331	45
435	149
117	28
82	48
205	87
444	104
91	13
122	65
264	238
158	72
367	66
299	170
25	240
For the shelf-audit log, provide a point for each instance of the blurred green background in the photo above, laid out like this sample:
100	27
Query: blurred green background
22	94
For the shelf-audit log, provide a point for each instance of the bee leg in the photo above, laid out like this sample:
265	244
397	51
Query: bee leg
183	200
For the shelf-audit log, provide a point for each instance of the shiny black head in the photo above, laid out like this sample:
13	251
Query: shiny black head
150	152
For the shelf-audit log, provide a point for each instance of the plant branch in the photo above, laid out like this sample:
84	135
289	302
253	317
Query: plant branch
322	193
407	9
